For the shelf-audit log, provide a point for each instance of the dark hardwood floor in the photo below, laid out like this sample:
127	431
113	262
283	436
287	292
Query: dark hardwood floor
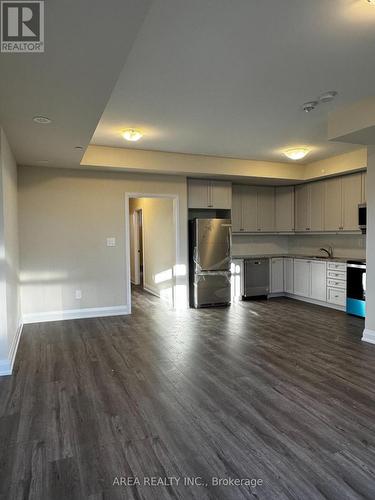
280	391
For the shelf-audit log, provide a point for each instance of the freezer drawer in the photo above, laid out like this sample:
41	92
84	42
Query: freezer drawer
211	289
212	250
257	277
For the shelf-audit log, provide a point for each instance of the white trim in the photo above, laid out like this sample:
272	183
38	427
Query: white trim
150	289
14	346
6	365
92	312
368	336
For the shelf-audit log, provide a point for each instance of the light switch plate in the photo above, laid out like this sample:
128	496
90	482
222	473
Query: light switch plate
111	242
78	294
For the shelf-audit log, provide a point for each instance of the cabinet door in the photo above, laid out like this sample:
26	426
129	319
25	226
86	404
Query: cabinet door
288	275
237	196
302	203
364	186
284	209
333	205
316	206
221	195
249	208
266	209
351	198
198	193
319	280
302	277
277	275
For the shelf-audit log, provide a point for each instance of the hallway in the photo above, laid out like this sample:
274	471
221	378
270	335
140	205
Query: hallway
253	391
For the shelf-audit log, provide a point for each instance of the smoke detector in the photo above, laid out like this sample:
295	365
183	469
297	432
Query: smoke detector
310	106
328	96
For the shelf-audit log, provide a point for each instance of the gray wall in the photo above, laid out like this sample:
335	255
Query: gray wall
10	313
65	218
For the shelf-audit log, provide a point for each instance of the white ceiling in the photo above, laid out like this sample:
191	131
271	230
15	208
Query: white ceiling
228	78
87	42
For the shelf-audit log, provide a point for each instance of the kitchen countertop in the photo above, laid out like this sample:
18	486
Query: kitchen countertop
296	256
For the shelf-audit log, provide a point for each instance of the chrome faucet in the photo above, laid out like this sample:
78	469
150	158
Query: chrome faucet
328	251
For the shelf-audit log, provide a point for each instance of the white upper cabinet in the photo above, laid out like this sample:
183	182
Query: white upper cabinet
316	206
302	207
253	209
364	191
333	205
221	195
309	207
266	209
351	198
249	209
342	196
237	209
209	194
284	209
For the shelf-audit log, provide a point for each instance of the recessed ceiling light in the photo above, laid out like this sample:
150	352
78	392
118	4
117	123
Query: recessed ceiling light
42	120
328	96
296	153
310	106
131	134
79	148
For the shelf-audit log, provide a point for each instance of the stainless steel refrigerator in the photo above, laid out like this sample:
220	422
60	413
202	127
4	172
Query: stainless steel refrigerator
210	260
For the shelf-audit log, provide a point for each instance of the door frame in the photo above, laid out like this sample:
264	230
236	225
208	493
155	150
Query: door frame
137	260
176	218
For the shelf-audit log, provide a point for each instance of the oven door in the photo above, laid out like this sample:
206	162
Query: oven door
356	289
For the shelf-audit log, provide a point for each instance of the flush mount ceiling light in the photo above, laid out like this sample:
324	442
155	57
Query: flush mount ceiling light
296	153
371	2
328	96
132	135
43	120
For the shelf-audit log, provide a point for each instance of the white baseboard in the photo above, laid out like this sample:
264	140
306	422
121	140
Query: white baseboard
368	336
150	289
92	312
6	365
316	302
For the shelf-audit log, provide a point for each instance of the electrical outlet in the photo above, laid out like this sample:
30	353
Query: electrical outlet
111	242
78	294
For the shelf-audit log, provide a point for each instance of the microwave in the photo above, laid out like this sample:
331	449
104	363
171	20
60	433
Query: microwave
362	217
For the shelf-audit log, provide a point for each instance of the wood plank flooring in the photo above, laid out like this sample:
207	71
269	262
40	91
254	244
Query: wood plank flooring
279	390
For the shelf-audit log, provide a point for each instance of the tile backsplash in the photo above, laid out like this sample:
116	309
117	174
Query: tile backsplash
344	245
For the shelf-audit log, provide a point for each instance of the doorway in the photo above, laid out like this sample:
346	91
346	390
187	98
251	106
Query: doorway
154	266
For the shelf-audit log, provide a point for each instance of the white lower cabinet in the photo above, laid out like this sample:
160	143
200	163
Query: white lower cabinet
277	275
319	280
288	275
310	279
302	271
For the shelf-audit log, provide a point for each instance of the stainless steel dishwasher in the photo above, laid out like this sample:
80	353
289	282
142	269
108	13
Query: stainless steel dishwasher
257	277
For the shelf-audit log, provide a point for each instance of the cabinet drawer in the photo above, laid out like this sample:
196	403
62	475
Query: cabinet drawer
336	283
336	296
337	275
337	266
